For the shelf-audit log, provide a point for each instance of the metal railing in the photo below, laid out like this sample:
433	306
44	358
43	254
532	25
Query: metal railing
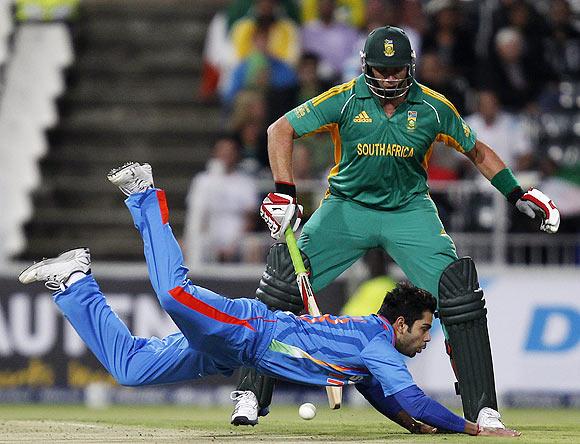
475	215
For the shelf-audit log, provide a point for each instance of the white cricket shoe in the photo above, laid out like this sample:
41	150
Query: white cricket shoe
57	271
246	409
489	418
132	177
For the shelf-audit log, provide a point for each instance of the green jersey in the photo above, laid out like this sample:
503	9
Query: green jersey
381	161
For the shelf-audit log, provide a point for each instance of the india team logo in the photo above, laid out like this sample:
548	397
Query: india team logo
411	120
389	48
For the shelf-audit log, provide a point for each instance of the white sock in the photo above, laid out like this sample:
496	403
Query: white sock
76	276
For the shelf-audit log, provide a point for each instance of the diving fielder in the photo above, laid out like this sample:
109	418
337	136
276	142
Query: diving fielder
217	335
383	125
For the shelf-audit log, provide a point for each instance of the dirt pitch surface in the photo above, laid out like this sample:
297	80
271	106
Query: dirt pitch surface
164	424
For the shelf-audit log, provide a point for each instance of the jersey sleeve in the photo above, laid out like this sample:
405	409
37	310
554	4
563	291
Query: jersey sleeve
454	131
316	113
414	402
386	364
372	390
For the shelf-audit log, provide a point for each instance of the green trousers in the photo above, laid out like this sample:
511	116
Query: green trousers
341	231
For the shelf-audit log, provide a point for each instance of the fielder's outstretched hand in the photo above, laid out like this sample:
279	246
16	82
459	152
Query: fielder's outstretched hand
279	211
533	202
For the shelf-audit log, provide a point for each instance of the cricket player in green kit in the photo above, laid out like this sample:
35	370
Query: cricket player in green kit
384	125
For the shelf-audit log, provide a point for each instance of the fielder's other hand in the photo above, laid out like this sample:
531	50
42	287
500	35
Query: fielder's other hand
533	203
279	211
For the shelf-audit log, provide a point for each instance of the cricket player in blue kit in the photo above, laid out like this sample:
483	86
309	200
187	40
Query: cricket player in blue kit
218	335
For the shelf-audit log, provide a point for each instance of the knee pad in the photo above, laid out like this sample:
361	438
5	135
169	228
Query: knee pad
277	288
463	313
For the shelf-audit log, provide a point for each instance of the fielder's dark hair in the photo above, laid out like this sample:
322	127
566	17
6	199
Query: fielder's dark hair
407	301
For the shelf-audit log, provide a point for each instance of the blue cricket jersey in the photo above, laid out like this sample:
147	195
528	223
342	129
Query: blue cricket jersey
334	350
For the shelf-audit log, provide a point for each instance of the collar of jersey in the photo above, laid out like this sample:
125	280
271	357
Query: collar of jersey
387	326
362	91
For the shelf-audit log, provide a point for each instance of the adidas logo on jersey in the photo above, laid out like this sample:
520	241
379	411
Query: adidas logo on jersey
363	117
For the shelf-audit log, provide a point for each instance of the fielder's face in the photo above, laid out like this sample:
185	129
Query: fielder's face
414	339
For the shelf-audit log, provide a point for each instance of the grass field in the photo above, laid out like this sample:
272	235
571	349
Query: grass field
44	423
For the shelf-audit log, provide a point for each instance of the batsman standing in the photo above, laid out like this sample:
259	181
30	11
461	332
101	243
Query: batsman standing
384	125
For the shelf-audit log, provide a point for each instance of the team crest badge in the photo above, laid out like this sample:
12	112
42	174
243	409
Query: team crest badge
389	48
411	120
466	129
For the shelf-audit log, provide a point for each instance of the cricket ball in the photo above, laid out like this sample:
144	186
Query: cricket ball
307	411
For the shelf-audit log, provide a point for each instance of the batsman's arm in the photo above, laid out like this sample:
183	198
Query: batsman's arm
485	160
281	137
532	203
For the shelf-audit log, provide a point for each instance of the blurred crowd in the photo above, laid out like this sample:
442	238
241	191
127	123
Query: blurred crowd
511	67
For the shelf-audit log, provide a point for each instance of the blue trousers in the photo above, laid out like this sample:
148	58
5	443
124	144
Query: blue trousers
217	335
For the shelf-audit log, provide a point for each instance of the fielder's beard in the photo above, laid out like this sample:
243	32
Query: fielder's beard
387	94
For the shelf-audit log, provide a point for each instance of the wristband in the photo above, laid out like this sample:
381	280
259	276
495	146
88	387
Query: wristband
286	188
506	183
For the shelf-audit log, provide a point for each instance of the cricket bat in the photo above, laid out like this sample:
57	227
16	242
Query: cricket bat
334	393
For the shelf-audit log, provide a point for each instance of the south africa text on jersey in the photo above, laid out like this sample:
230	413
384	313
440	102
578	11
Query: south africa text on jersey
384	149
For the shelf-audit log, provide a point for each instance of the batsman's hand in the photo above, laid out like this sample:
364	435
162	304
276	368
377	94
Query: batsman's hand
533	202
279	211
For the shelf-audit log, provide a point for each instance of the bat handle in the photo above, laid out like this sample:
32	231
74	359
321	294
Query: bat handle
294	251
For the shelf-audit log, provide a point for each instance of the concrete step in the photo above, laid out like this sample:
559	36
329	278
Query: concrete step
103	219
70	176
174	182
120	245
191	157
103	199
143	118
133	88
123	139
144	31
205	9
108	231
125	59
132	96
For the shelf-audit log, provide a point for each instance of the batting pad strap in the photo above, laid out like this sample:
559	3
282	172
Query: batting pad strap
463	313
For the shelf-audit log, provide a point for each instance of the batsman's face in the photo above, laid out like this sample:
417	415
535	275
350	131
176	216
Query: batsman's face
414	339
390	77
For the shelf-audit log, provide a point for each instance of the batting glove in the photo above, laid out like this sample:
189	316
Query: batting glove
279	211
533	202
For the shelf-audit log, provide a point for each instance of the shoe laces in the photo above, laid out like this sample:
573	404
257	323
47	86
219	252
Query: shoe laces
54	284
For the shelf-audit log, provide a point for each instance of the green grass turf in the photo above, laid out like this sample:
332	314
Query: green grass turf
43	423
